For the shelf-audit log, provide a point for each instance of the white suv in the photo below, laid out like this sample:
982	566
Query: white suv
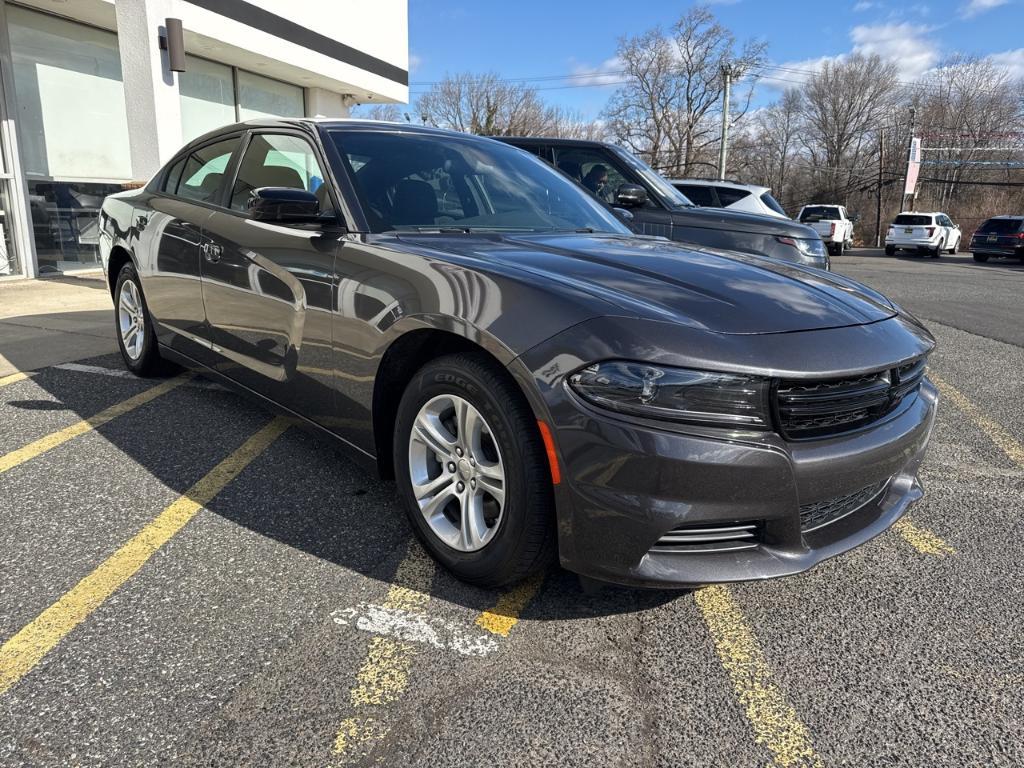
712	193
930	233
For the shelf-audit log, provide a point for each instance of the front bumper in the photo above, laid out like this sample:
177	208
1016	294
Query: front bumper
626	483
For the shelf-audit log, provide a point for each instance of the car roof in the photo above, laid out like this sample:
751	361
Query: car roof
722	183
311	123
823	205
546	140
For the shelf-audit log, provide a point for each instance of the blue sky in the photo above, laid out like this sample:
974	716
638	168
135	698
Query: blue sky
534	38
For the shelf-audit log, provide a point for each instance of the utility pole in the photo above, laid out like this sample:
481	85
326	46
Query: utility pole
878	191
727	72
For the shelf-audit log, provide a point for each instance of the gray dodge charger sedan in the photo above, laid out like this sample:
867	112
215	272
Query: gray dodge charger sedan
535	378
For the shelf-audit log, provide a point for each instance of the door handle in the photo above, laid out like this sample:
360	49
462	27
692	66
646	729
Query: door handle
211	251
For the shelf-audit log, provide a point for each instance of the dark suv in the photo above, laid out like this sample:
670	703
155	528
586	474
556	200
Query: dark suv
999	236
658	208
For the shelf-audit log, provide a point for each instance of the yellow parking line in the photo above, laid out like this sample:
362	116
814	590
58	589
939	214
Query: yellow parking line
44	444
12	378
28	647
500	619
384	674
996	432
921	539
776	724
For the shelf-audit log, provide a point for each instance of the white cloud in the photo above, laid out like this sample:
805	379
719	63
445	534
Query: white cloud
608	72
907	44
977	7
1011	61
865	5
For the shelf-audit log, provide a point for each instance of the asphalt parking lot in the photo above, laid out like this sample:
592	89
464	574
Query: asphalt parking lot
186	579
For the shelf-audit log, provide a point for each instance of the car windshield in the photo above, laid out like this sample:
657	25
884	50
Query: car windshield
672	196
1001	226
819	213
409	181
907	220
772	203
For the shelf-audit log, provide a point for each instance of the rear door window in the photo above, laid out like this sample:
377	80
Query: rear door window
203	175
699	194
730	195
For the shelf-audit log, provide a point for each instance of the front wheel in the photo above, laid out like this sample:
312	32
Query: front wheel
956	247
135	335
472	471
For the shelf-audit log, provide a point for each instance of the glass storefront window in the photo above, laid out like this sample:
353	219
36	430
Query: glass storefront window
207	97
8	256
62	68
260	96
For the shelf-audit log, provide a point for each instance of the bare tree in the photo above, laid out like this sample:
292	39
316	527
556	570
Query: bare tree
482	104
666	111
843	104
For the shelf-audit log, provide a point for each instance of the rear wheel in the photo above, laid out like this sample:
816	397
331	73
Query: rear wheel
135	335
980	257
938	250
472	471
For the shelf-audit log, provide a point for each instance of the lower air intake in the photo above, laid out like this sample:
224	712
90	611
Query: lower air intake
710	537
822	513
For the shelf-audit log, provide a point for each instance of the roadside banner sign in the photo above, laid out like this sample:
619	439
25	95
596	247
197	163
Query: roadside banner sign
913	166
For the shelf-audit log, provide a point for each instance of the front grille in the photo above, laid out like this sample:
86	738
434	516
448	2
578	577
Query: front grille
807	409
821	513
710	537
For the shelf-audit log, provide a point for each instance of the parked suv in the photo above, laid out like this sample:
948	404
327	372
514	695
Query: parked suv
930	233
619	179
999	236
832	222
716	193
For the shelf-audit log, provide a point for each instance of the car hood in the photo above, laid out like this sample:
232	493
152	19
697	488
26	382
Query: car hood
741	221
723	292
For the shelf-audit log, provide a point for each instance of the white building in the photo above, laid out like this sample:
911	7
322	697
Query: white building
89	105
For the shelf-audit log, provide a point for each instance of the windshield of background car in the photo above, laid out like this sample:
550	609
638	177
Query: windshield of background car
906	220
669	194
772	203
1001	226
417	182
819	213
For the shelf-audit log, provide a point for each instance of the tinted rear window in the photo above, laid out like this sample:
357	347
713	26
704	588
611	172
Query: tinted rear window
907	220
1001	226
772	203
819	213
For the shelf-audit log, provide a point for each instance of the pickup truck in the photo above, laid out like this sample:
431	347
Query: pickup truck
832	222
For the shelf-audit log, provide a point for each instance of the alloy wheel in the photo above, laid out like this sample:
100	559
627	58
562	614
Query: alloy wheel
457	474
131	319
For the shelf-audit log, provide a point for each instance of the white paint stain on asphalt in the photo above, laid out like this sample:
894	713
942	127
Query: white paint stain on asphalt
416	627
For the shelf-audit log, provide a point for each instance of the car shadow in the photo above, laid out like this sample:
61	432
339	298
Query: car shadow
302	492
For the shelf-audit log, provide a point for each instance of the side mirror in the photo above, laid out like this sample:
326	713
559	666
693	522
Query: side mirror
630	196
624	215
854	217
283	205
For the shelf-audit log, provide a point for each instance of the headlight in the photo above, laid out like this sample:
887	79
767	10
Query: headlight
675	394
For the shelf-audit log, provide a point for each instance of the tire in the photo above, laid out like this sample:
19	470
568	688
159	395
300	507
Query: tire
981	258
833	250
139	349
955	248
938	250
890	250
516	537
